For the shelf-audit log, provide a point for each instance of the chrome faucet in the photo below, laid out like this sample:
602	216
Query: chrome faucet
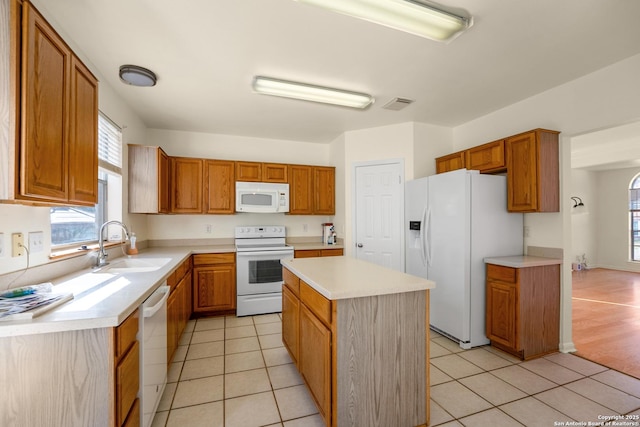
102	254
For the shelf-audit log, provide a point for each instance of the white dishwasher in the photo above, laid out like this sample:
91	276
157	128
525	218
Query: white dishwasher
153	352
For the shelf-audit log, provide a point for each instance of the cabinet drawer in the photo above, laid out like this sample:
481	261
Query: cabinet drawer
126	334
504	274
332	252
319	305
127	382
291	281
307	253
208	259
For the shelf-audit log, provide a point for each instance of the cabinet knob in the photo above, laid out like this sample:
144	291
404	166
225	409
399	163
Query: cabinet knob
359	245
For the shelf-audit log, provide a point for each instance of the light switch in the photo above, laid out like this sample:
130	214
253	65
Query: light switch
1	244
36	241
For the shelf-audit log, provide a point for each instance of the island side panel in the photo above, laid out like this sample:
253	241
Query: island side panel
382	360
56	379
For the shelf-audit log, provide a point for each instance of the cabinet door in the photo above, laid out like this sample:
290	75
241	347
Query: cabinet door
46	65
522	173
83	136
300	190
324	182
450	162
248	171
172	314
186	185
219	186
164	176
315	359
502	300
290	322
127	382
214	288
487	157
275	172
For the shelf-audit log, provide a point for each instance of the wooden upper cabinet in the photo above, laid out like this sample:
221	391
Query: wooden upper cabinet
312	190
533	176
300	190
488	157
450	162
219	186
58	119
324	183
149	176
249	171
262	172
83	143
186	185
275	172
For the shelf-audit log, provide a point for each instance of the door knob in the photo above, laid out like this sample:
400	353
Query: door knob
359	245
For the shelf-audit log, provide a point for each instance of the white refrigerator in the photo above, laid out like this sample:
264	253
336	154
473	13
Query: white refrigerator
453	221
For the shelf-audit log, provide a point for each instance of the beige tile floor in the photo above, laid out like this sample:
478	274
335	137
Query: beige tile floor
234	372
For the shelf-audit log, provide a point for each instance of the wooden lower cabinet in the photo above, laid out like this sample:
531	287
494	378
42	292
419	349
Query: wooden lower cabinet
523	309
214	283
178	305
312	253
290	322
315	359
347	373
127	371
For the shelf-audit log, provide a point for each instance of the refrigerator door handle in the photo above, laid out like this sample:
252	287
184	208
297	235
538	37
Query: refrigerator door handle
423	242
427	242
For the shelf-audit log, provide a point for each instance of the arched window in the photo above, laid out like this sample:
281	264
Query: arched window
634	217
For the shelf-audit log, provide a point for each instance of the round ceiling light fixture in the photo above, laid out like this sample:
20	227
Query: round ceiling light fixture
137	76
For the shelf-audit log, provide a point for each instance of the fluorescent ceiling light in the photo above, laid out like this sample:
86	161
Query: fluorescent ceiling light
418	17
307	92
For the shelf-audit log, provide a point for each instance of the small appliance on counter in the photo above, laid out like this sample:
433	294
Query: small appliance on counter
329	236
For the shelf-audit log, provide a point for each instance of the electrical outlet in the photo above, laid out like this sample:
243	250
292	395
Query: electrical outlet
17	244
36	241
526	231
305	227
208	228
1	244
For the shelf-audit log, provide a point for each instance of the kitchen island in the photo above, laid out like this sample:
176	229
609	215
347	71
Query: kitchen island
358	334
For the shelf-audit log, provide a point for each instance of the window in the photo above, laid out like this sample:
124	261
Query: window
77	225
634	218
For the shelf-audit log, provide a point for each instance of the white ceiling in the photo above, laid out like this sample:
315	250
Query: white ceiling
206	52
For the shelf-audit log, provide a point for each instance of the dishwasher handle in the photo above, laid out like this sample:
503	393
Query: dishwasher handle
163	293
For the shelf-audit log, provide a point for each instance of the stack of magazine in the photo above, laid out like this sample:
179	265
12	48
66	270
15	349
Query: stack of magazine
28	302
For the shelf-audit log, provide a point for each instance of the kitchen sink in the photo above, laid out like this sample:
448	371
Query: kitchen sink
135	265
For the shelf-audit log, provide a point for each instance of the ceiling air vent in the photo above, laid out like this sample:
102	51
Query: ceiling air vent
397	104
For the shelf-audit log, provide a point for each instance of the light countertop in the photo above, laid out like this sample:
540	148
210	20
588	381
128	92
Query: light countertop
314	246
522	261
346	277
103	299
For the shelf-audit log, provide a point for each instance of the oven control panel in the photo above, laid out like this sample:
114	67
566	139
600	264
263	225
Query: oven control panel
260	231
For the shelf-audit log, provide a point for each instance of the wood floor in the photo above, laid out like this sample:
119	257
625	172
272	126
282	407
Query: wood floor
606	318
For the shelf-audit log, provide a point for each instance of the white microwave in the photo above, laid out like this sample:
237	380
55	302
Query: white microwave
262	197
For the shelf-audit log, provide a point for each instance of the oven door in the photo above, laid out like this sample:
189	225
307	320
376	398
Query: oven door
260	272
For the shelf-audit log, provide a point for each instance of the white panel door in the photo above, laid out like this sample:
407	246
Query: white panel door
379	213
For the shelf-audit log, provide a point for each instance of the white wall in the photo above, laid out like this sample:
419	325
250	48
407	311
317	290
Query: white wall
430	142
603	99
612	210
584	225
229	147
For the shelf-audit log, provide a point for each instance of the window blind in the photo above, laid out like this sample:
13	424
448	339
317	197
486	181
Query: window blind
109	144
